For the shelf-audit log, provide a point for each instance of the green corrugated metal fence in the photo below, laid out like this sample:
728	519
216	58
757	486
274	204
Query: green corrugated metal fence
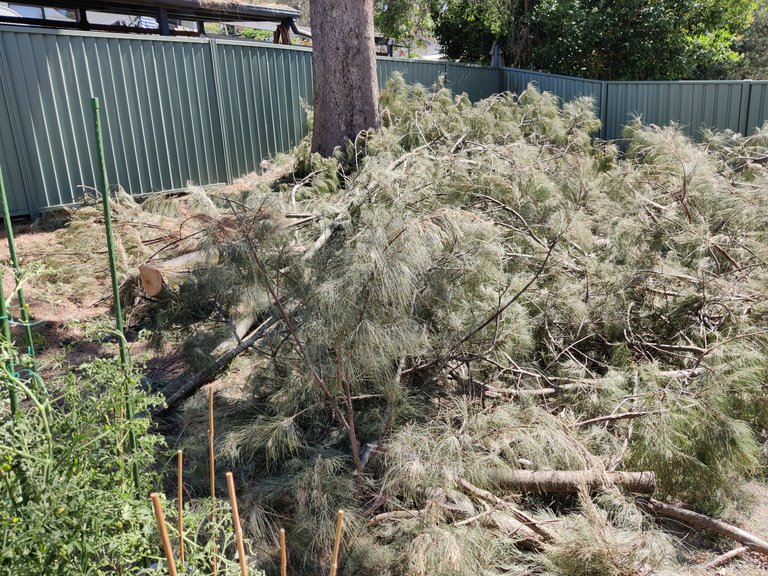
692	105
208	111
741	106
175	110
261	91
161	121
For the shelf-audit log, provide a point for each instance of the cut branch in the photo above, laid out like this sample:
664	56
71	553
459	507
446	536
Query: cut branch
571	481
153	276
614	417
197	381
519	515
727	557
397	515
703	522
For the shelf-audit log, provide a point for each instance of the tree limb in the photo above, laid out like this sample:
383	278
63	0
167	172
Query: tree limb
697	520
727	557
558	481
197	381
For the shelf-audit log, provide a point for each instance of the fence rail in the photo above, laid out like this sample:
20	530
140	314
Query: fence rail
180	110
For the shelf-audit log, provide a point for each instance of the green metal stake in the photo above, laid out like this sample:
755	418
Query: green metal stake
108	226
6	329
16	270
129	410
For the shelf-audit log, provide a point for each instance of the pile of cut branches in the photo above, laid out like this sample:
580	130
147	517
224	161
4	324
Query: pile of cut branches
489	338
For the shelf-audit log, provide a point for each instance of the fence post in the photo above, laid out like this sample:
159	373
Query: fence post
219	97
603	109
746	104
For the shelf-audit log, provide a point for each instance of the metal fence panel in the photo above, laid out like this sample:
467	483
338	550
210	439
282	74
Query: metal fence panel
161	125
262	89
10	153
413	71
477	81
693	105
757	112
566	88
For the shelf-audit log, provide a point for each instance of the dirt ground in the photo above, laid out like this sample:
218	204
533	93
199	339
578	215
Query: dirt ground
58	318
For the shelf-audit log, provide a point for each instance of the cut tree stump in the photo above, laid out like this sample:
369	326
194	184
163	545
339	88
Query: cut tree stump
153	275
570	481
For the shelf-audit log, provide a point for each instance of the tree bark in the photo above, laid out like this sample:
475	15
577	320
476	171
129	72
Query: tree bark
346	89
570	481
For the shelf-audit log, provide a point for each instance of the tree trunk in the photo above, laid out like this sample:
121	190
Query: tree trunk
570	481
346	91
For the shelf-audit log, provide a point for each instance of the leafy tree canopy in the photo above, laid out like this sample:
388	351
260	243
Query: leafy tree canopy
607	39
755	46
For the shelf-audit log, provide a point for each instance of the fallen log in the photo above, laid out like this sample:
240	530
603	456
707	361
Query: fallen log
703	522
570	481
197	381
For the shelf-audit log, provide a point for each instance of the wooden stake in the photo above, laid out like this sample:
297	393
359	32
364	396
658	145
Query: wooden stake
158	508
211	458
283	554
336	542
236	524
180	500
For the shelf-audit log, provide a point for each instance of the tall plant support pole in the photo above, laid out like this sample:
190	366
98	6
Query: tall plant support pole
6	329
337	542
16	270
104	189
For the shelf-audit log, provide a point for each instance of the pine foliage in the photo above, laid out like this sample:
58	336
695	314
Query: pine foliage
498	292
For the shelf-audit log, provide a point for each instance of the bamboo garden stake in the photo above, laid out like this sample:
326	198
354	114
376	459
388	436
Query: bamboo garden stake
336	542
212	469
180	501
236	524
283	554
158	508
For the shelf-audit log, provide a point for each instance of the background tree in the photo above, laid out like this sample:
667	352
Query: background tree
755	46
344	72
607	39
406	20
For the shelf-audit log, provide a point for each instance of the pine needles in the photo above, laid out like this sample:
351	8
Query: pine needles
484	287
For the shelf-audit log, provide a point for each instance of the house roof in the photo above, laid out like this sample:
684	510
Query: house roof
207	10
